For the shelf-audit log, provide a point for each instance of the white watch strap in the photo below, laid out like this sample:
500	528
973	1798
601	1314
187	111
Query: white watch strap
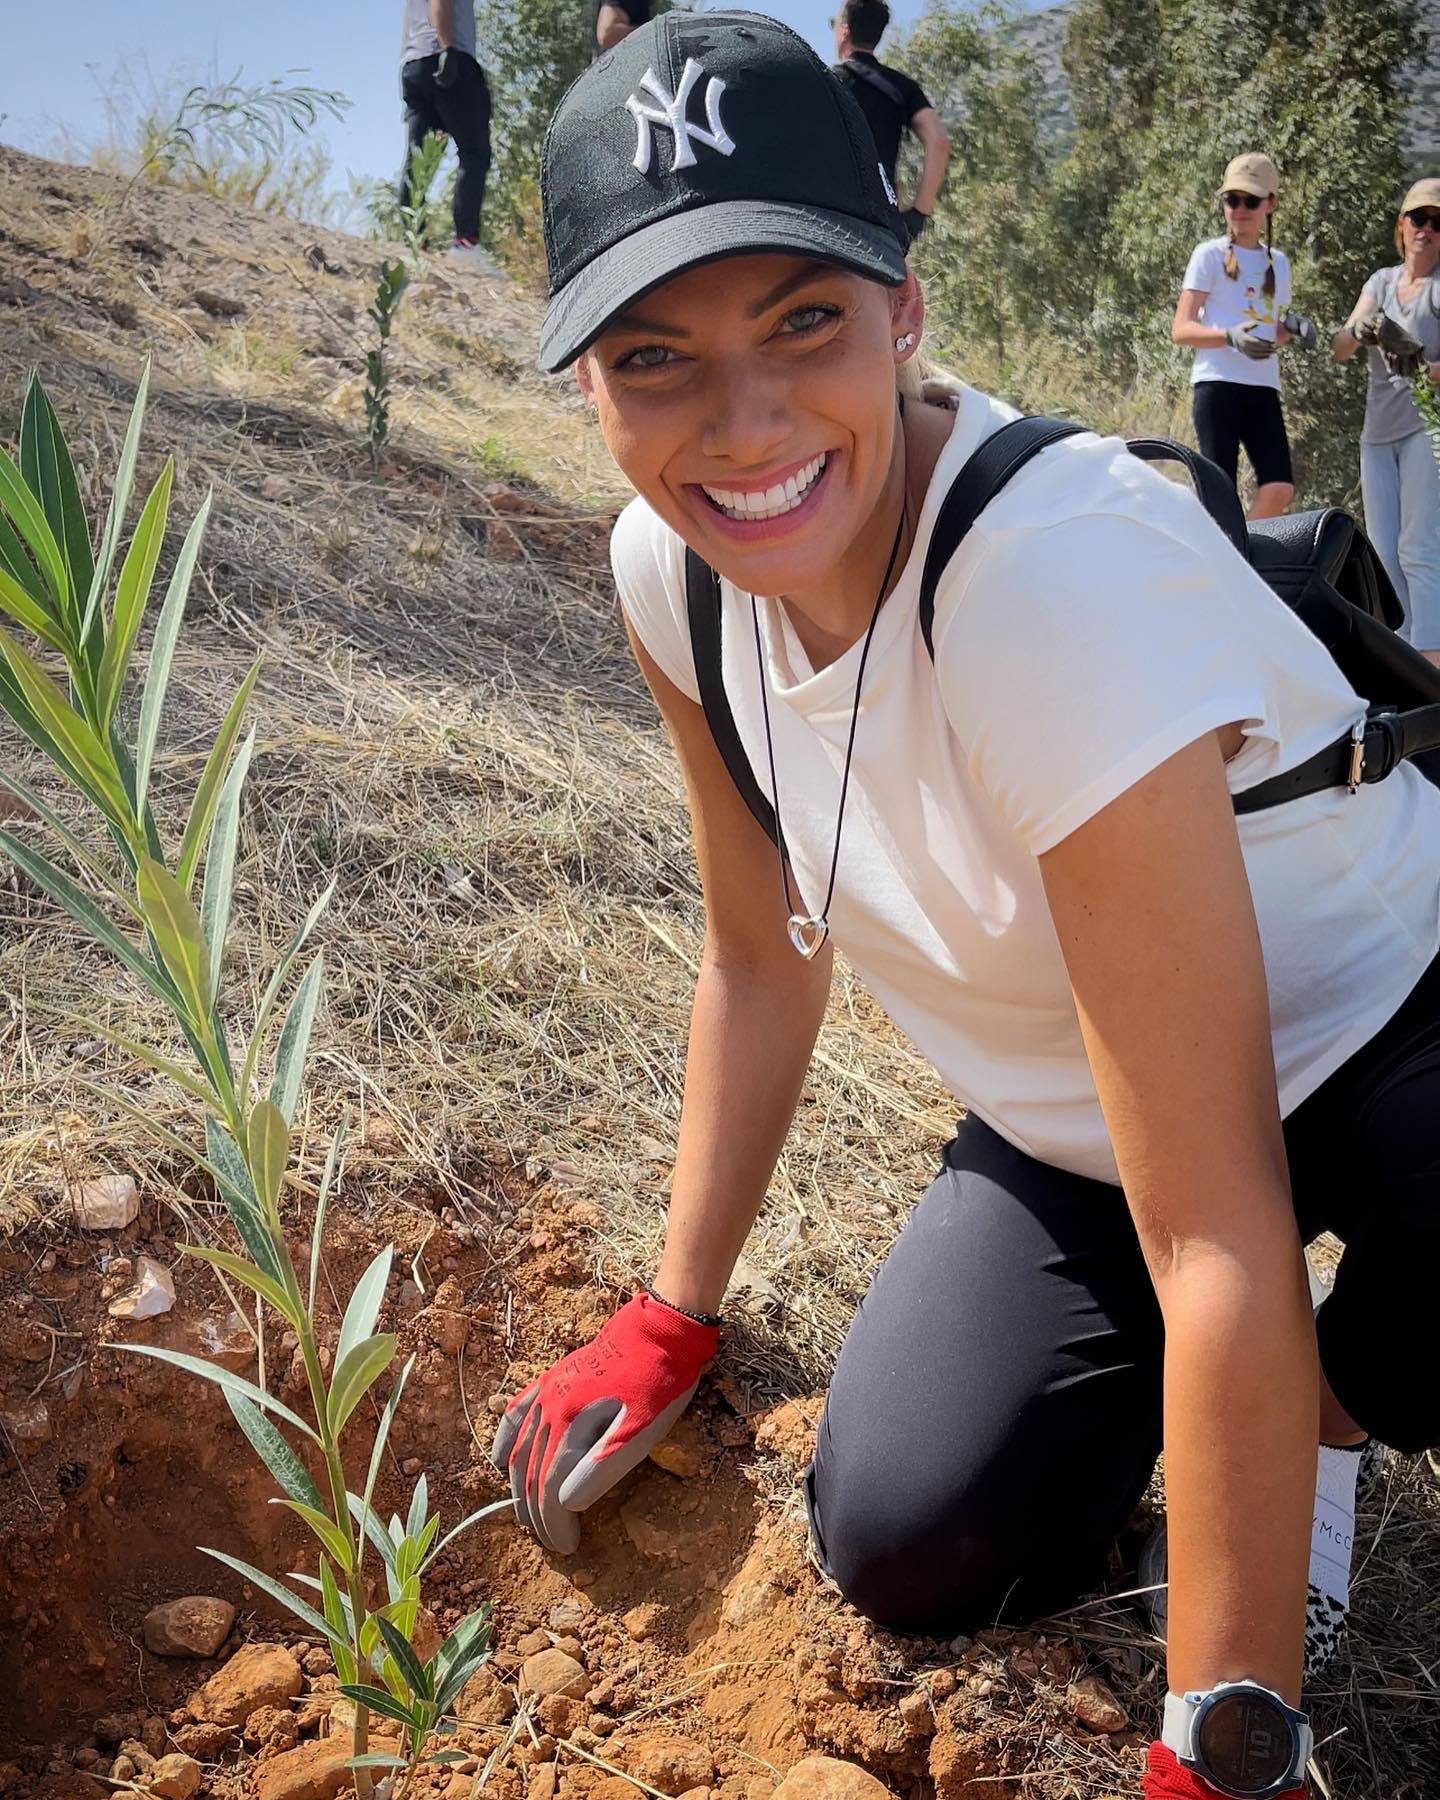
1180	1711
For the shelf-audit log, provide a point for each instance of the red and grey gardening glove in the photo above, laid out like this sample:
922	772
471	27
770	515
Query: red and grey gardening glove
1166	1778
592	1417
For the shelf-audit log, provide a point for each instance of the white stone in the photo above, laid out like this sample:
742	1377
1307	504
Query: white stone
108	1203
152	1294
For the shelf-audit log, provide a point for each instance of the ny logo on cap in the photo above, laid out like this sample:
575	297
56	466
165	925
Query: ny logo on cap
671	113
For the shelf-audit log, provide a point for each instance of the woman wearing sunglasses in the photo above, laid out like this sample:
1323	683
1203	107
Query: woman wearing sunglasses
1028	851
1397	320
1233	313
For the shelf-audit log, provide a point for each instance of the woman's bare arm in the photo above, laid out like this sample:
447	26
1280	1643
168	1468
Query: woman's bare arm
757	1010
1153	909
1187	328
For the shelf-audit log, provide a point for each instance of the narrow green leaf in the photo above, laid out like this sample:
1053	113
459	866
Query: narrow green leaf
364	1308
471	1637
329	1533
207	793
220	864
17	708
46	465
115	518
381	1702
152	1059
332	1162
236	1190
63	891
162	651
255	1279
337	1605
34	530
132	593
269	1154
77	847
417	1676
419	1508
29	612
179	937
354	1375
277	1456
222	1378
426	1537
294	1043
448	1756
16	562
377	1759
369	1522
495	1506
276	1590
276	982
74	743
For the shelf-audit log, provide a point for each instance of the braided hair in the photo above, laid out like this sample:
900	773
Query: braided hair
1232	262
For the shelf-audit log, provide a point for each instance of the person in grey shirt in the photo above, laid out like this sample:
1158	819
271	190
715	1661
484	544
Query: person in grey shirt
1397	320
444	89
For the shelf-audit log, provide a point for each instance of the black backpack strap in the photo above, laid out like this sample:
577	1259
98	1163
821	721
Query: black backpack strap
1213	487
1378	745
873	78
1003	454
702	598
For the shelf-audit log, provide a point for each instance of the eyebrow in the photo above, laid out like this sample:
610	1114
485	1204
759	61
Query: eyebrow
639	322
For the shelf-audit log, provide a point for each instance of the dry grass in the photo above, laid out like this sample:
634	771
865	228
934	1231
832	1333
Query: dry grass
465	747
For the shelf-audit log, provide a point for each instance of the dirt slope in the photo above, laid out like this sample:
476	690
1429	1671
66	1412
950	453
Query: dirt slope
449	726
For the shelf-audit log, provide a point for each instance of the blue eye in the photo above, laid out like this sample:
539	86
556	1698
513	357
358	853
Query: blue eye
808	318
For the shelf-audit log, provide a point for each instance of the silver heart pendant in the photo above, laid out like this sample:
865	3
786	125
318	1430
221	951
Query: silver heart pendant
807	935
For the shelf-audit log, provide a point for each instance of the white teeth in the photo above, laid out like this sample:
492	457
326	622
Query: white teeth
771	502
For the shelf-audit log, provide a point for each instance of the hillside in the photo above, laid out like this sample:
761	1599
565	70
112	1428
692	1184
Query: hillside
450	728
1043	34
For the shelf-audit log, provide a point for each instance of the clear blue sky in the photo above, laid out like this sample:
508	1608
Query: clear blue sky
54	65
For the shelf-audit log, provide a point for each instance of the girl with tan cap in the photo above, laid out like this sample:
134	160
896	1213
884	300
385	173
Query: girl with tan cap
1233	313
1397	319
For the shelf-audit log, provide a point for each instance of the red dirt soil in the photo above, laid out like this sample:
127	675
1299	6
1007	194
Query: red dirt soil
716	1658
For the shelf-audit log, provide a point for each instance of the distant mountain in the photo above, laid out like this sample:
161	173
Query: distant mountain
1043	33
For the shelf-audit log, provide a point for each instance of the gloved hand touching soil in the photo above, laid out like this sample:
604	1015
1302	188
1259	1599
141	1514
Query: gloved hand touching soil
1166	1778
597	1413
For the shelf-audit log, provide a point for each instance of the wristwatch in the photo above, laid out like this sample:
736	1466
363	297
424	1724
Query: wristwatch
1240	1738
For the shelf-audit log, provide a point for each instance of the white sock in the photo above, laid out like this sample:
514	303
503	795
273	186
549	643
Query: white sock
1332	1535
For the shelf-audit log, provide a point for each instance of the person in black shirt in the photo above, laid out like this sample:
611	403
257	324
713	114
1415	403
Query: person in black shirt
892	104
616	19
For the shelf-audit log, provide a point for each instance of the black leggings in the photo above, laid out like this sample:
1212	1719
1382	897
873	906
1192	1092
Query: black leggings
995	1413
1232	414
463	111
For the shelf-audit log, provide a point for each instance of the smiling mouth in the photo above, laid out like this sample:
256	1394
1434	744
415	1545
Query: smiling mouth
771	502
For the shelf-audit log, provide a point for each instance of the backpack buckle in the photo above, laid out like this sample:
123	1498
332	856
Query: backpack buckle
1357	755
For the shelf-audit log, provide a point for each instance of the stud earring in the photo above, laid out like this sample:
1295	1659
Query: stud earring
902	344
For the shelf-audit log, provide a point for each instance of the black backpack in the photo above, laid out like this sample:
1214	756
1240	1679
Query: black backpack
1320	564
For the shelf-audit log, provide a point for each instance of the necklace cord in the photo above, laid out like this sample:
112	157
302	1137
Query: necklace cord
791	905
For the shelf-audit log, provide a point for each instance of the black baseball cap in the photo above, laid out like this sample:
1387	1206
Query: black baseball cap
704	135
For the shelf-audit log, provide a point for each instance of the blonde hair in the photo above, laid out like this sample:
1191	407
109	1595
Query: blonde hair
1232	261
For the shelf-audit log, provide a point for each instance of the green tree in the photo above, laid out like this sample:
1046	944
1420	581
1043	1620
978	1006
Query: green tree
986	279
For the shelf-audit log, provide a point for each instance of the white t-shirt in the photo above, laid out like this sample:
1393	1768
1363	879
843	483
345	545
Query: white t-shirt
1230	303
1094	622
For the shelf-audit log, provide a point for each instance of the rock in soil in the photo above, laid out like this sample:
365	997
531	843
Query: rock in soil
1093	1704
257	1675
108	1203
208	1743
544	1779
827	1778
553	1672
485	1699
27	1422
152	1294
674	1765
195	1625
175	1777
313	1771
273	1728
688	1452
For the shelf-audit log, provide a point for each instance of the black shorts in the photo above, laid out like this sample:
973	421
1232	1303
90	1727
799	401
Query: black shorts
1229	414
996	1410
